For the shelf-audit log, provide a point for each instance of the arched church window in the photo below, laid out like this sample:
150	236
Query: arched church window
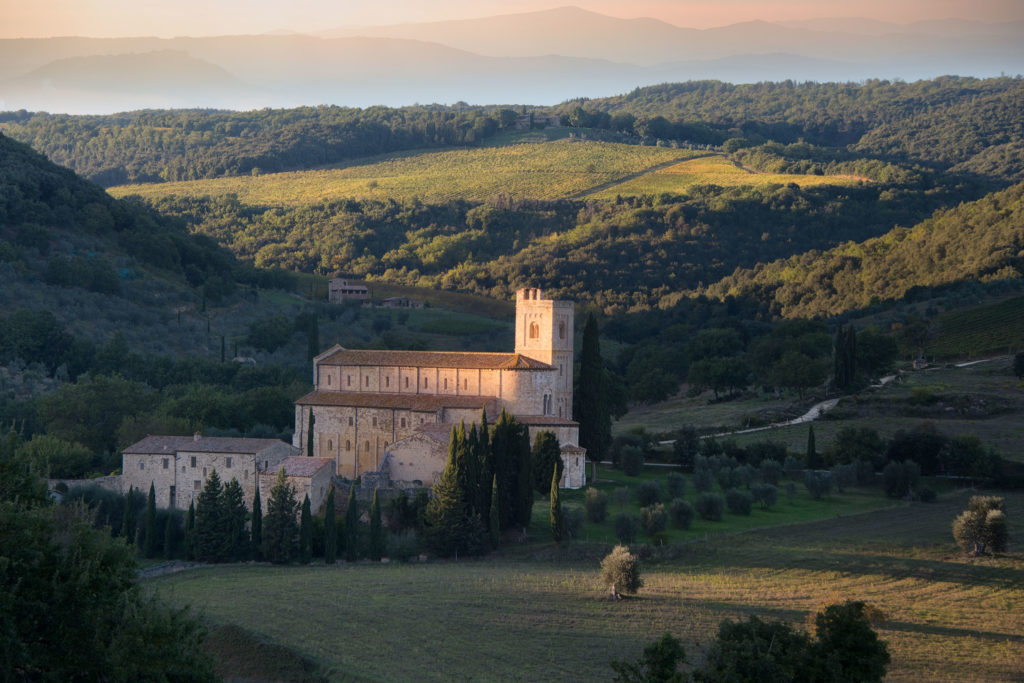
330	445
446	384
561	329
534	330
367	446
348	445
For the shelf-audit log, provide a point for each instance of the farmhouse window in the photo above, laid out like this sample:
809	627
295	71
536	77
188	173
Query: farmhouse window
403	421
374	422
351	421
167	463
142	465
196	485
229	462
193	461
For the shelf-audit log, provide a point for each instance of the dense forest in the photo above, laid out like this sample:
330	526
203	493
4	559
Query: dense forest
980	240
154	146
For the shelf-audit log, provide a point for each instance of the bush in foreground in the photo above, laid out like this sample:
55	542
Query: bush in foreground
620	571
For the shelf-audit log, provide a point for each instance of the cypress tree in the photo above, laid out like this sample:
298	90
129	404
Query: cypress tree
590	407
149	544
494	518
485	467
306	533
280	530
547	458
169	536
211	535
352	527
190	531
556	510
376	530
256	528
524	476
813	461
330	530
235	516
473	482
309	433
128	516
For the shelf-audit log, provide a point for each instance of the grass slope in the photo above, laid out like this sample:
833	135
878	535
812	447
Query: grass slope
553	169
541	614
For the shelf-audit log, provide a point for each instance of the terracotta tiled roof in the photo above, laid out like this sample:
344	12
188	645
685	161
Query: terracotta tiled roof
299	466
419	402
546	421
433	359
204	444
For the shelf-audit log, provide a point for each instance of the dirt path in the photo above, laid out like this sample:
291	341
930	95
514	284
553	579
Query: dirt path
624	179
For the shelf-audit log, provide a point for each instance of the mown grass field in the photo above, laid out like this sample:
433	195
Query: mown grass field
537	612
713	170
549	170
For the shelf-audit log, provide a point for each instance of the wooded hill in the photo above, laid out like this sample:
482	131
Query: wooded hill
981	240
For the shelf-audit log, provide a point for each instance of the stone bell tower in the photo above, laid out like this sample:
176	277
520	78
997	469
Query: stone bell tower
544	332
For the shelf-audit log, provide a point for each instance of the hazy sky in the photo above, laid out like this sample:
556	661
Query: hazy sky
166	18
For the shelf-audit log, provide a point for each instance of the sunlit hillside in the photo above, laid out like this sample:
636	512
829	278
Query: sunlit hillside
557	169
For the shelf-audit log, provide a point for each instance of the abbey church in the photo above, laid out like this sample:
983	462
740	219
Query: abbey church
388	414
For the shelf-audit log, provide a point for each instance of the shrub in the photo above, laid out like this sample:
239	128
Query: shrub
845	476
792	466
632	460
681	513
739	502
626	527
900	479
648	493
728	478
620	570
572	521
981	528
771	471
660	662
62	459
819	484
676	485
710	506
596	504
622	496
703	480
766	495
654	518
745	475
403	545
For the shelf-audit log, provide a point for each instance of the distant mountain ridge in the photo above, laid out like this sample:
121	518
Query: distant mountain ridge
537	58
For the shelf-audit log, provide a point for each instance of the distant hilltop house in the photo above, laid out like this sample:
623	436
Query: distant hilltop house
527	121
390	413
178	467
340	290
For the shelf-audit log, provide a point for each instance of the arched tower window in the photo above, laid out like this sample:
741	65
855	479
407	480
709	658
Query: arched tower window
561	329
534	330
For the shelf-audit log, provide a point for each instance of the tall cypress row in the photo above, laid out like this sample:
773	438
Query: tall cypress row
352	527
494	516
589	401
256	527
556	510
305	532
330	530
376	530
190	528
128	517
169	536
813	461
149	543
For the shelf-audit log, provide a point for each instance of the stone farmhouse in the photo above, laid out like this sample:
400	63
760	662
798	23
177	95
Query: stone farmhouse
389	414
339	290
178	466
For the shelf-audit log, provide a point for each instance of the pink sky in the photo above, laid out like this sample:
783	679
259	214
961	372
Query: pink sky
109	18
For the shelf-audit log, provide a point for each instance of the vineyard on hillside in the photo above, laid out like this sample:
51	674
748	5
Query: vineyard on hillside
994	328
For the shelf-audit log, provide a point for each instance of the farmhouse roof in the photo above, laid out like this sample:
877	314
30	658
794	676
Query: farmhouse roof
300	466
417	402
432	359
199	444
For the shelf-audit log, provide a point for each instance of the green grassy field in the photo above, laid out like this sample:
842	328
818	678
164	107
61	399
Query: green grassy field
537	612
997	327
533	168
